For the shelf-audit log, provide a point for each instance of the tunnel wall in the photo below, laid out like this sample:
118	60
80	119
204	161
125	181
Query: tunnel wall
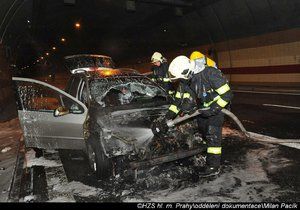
269	59
272	58
7	97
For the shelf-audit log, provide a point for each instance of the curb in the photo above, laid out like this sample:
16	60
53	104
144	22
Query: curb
15	185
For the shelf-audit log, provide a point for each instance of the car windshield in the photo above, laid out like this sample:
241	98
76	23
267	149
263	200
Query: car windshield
118	92
88	61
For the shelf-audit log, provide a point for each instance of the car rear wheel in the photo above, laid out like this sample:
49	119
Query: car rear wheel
101	165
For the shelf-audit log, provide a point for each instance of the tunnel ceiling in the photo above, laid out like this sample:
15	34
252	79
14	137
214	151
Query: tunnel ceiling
114	28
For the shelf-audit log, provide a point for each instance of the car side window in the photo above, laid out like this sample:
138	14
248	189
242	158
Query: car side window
37	97
83	95
74	87
69	84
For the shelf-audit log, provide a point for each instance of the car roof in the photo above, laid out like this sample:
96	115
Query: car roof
86	55
110	73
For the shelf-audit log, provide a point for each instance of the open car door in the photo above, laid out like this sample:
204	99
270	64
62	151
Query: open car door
50	118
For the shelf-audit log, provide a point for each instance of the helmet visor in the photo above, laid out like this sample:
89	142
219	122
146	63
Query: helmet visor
186	73
200	61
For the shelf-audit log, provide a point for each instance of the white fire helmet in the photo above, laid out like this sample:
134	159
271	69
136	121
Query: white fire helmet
181	68
156	57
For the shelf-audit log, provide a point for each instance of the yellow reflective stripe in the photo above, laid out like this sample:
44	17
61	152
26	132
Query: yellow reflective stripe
171	92
222	103
174	109
216	98
223	89
209	103
166	80
214	150
186	95
178	95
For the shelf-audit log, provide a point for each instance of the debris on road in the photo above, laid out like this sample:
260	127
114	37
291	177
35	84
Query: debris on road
6	149
29	198
31	160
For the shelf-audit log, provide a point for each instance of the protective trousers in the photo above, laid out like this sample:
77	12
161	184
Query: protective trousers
211	129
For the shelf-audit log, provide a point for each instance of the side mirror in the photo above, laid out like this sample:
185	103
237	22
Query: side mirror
61	111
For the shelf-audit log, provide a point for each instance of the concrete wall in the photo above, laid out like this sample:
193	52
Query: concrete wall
280	50
7	97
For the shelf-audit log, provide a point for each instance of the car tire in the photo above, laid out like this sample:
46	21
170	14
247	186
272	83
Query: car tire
100	164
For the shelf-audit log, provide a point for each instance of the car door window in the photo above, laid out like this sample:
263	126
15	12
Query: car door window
83	94
69	84
37	97
74	87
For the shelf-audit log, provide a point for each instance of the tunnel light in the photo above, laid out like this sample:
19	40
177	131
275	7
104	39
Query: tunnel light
53	48
63	39
42	58
77	25
47	53
28	21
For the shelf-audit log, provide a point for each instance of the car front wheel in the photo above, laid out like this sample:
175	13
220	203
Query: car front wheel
98	161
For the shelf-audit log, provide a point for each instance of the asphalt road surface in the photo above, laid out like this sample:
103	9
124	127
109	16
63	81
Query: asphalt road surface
275	114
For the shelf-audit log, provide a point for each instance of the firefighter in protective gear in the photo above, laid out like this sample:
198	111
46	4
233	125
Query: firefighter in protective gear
196	56
211	63
201	86
160	72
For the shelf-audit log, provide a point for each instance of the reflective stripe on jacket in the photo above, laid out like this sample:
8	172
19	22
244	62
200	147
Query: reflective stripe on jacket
211	87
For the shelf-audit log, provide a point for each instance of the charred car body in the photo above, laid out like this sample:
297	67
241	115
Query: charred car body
107	113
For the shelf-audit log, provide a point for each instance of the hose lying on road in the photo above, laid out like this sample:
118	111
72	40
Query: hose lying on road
183	154
255	136
237	121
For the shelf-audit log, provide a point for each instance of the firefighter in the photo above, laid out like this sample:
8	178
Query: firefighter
160	72
196	55
201	86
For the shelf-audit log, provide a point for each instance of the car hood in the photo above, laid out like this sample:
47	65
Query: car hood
129	131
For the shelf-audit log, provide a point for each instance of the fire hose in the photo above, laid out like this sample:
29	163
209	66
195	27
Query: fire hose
250	135
183	154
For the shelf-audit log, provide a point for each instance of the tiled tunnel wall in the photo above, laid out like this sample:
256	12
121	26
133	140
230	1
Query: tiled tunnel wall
274	58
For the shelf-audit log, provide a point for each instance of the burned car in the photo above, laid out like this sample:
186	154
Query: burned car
106	113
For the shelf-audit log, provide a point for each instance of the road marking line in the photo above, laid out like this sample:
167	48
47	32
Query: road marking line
262	92
282	106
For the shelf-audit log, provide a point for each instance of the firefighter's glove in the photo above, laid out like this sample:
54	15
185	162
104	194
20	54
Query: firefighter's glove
213	110
188	106
160	127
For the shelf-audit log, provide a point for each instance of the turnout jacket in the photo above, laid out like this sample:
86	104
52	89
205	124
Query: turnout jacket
160	73
209	88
